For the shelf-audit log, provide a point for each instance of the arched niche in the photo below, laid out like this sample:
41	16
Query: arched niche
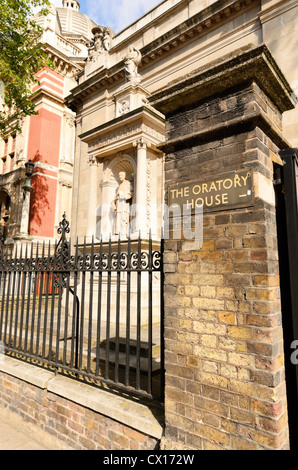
124	163
110	182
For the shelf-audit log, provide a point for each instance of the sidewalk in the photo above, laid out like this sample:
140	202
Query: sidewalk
13	437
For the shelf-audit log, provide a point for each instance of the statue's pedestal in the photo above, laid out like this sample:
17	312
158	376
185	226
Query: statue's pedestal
131	96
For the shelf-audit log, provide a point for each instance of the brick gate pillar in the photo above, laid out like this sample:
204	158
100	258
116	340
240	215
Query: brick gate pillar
224	359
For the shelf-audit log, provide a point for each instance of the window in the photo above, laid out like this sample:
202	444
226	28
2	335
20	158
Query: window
4	155
12	152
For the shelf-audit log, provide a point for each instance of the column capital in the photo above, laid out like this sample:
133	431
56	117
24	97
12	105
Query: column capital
78	120
92	160
141	143
70	120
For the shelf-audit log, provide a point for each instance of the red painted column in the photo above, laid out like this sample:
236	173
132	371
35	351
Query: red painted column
43	148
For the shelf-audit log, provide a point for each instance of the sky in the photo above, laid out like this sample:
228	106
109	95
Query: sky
114	13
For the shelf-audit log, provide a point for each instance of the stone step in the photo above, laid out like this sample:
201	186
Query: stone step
132	360
144	347
144	350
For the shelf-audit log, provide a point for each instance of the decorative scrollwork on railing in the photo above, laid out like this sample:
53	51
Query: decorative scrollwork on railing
140	261
62	253
123	261
63	226
19	265
134	261
95	257
113	261
104	261
156	260
144	260
71	264
97	261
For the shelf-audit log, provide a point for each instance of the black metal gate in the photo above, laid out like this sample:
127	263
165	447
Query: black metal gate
91	310
286	189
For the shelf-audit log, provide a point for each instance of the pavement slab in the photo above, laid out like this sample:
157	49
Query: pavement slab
16	438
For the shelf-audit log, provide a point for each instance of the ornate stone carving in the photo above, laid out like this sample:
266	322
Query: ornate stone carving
102	42
108	35
124	107
121	205
141	143
66	69
70	120
92	160
115	137
65	183
132	59
127	132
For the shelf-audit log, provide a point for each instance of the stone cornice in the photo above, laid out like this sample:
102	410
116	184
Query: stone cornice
194	27
116	122
277	9
66	63
121	132
252	69
244	65
40	94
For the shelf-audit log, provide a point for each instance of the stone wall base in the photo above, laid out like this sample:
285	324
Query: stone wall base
69	415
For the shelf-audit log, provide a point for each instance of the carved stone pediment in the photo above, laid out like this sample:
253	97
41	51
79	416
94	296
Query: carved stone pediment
120	134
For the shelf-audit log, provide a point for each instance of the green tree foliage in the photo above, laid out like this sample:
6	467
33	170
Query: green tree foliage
21	56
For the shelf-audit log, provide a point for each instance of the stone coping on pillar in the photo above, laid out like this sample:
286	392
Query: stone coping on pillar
246	65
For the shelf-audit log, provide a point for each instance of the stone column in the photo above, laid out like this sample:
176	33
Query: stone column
141	189
68	139
92	198
25	214
106	227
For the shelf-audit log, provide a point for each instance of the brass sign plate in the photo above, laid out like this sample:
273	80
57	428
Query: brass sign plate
228	191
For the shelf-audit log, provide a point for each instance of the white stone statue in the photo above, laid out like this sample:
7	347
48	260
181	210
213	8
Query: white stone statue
107	38
98	40
121	205
132	59
102	42
95	48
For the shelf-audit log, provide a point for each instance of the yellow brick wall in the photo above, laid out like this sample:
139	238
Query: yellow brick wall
225	380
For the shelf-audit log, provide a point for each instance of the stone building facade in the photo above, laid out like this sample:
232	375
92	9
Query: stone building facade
209	94
47	139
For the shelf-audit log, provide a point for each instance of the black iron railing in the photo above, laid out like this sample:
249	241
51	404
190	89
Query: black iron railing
93	310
